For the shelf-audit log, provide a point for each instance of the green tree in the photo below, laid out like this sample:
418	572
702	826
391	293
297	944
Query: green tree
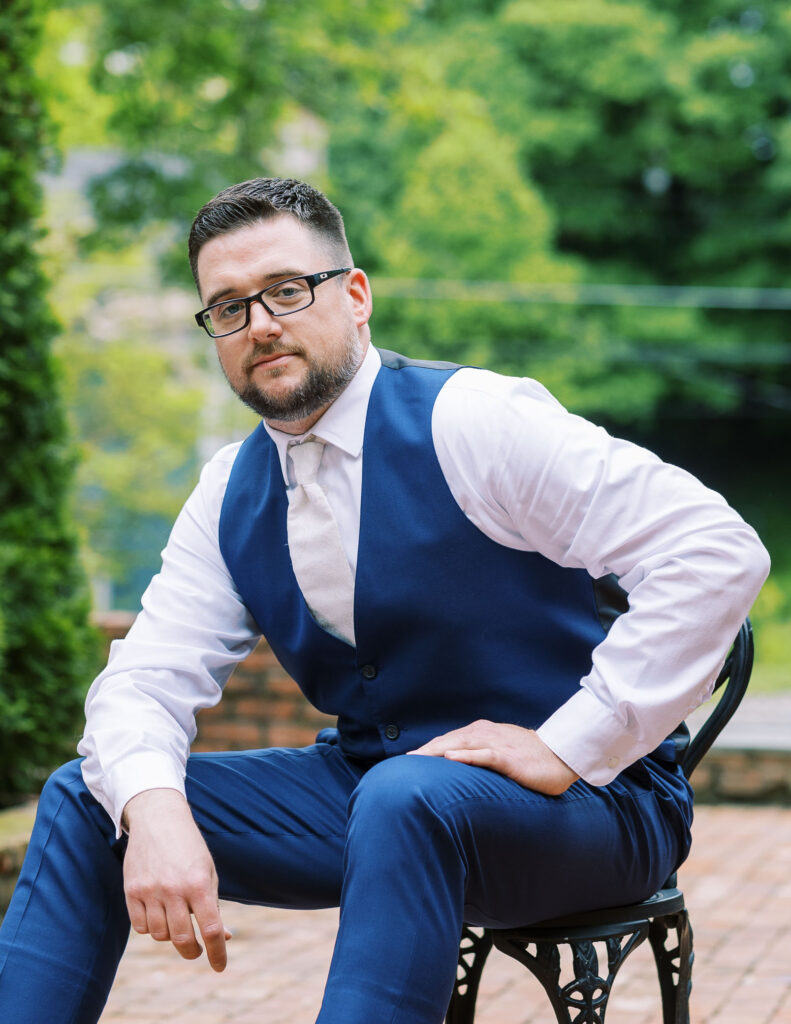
46	645
138	422
483	148
654	135
201	92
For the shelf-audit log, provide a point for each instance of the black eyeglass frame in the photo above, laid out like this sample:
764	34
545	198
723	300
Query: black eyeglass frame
313	281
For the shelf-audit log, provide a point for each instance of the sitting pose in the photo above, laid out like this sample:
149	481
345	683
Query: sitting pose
508	610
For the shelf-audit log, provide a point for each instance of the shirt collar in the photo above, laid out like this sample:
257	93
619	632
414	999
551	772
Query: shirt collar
343	424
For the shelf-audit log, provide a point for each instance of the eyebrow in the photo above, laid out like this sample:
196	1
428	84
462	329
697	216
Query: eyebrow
275	275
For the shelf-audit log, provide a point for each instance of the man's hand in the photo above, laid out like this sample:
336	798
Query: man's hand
169	875
508	749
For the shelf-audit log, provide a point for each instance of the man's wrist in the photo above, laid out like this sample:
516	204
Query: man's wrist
159	799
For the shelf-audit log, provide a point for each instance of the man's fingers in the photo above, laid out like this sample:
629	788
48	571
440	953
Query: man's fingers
137	915
473	736
438	746
428	749
174	924
156	921
182	934
511	750
214	933
483	757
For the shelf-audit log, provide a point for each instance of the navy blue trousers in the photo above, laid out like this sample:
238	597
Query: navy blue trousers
409	848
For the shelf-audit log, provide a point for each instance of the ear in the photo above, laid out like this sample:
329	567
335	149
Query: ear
359	289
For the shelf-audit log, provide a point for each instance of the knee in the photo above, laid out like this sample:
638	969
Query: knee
396	791
66	804
401	813
64	782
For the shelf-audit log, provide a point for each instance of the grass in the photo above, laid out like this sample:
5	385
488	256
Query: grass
769	678
16	824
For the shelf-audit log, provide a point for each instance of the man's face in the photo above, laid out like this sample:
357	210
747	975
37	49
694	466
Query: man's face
289	368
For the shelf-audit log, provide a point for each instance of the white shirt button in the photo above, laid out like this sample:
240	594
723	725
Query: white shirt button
613	762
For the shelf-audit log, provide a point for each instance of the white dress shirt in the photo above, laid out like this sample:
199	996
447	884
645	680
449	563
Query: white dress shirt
530	476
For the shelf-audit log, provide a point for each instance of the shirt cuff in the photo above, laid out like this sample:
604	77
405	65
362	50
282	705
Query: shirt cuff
136	774
590	738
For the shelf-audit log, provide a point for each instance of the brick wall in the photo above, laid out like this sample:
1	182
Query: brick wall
262	706
751	776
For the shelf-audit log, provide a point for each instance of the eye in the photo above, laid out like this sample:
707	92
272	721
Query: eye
231	309
288	291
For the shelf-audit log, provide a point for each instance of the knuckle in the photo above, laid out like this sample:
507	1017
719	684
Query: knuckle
196	881
169	891
137	891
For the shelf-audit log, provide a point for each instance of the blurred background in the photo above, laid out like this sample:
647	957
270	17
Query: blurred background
596	193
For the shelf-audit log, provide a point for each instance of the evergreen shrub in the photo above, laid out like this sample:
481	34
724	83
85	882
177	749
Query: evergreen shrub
48	650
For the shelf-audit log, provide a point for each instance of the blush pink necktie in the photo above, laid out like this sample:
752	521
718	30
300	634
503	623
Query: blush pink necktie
314	541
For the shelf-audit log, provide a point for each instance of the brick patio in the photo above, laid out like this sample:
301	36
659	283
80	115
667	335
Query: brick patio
738	888
737	883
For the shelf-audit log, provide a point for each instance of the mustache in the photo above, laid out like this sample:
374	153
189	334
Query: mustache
266	351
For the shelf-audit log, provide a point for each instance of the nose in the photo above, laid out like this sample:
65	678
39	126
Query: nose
262	323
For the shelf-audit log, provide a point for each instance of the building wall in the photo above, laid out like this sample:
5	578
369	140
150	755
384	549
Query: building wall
263	707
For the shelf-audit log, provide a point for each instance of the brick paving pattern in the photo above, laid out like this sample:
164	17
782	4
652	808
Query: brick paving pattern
737	884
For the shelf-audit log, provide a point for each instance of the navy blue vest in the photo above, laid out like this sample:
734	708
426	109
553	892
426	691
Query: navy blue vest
450	626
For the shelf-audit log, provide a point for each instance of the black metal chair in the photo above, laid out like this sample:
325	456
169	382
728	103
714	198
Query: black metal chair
621	929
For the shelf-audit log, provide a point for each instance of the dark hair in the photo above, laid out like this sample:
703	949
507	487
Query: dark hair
262	198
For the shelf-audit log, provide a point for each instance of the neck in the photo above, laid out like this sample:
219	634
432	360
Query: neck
298	426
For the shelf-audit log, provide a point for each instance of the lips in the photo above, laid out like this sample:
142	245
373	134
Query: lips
267	360
270	359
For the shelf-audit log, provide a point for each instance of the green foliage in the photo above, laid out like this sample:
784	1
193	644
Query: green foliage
644	142
76	110
134	392
530	140
743	462
46	646
654	141
200	90
138	421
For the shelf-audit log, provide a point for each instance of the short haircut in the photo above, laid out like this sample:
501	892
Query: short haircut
262	198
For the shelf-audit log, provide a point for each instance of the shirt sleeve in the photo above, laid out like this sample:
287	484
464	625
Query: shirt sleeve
192	630
534	477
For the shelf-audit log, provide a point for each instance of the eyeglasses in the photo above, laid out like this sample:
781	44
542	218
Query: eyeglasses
281	299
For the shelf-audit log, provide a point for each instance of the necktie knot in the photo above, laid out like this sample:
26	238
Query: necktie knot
306	458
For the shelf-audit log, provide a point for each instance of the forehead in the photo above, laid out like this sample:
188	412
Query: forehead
238	259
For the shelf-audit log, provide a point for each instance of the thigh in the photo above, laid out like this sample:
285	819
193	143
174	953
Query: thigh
592	847
527	856
274	821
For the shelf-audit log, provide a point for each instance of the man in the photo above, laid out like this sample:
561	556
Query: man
429	551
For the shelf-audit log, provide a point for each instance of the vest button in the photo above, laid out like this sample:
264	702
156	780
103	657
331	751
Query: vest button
369	671
392	732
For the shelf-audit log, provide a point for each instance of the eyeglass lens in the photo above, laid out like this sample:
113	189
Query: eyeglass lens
282	298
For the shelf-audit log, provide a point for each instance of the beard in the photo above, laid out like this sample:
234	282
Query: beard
320	386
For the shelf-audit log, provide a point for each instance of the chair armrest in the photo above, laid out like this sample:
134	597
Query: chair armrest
736	672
